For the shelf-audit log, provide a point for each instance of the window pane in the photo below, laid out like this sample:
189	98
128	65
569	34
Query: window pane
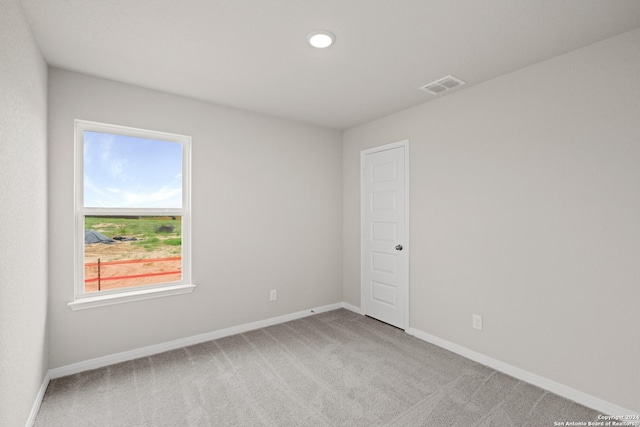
128	172
129	251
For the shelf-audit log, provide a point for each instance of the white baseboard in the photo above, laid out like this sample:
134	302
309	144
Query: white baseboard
544	383
350	307
183	342
36	404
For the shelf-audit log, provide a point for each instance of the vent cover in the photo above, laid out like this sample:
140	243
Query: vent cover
442	85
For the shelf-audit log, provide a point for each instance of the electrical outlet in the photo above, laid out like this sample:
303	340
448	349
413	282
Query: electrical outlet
476	322
273	295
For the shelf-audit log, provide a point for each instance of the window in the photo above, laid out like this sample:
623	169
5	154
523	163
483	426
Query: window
132	214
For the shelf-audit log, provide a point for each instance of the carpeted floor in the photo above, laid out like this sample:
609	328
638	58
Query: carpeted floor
331	369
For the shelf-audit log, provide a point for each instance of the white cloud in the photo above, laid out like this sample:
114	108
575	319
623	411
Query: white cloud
165	197
106	143
89	186
117	168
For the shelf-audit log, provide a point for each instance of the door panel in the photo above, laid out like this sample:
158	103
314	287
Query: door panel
384	231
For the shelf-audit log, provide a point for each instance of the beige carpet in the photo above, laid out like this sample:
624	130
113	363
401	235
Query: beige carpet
331	369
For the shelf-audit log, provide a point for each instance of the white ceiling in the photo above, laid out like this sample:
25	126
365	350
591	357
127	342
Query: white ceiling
253	54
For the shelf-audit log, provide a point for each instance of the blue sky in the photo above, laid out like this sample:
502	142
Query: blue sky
122	171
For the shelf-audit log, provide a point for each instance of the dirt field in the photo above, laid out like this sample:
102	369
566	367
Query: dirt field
123	250
161	260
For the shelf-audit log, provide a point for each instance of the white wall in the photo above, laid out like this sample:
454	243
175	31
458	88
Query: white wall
266	215
525	208
23	216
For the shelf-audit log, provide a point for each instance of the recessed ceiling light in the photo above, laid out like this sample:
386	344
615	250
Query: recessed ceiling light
321	39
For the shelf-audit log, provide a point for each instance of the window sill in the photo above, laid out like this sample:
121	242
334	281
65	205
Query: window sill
120	298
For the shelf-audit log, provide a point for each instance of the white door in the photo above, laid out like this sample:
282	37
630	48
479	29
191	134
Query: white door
385	256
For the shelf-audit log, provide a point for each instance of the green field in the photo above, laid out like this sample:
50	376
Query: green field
150	232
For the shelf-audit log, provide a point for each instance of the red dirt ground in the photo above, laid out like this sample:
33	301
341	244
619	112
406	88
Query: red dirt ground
159	261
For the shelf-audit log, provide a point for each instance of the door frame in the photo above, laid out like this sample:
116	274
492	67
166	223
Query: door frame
406	246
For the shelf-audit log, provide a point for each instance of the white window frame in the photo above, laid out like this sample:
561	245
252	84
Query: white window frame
84	300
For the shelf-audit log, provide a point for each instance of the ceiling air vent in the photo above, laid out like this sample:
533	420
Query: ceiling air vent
442	85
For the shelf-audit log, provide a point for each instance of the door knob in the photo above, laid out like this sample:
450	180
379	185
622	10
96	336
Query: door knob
398	247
